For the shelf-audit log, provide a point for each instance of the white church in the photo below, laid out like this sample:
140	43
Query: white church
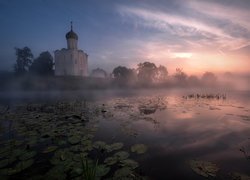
71	61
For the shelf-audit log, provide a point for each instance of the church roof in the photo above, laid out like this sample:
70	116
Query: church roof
71	34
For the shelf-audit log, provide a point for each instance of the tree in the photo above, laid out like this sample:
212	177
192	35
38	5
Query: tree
146	72
124	75
43	65
121	72
99	73
193	80
23	61
209	78
180	75
161	74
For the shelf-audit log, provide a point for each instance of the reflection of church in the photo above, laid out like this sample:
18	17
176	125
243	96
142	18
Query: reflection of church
71	61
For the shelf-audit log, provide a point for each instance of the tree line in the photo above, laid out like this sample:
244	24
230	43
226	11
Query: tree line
146	73
26	63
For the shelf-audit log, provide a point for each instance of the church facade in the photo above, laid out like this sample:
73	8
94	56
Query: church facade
71	61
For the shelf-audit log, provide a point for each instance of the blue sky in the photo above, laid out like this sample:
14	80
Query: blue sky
196	35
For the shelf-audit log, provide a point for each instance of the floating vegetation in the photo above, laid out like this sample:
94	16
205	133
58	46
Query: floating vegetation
99	145
239	176
114	147
111	160
89	170
204	168
66	139
206	96
50	149
74	139
27	155
129	163
139	148
123	173
121	155
147	110
102	170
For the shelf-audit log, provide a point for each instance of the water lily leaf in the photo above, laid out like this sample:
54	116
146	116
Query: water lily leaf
22	165
50	149
56	173
19	152
4	154
62	156
99	145
80	156
74	140
110	160
9	171
61	143
102	170
239	176
129	163
139	148
114	147
75	148
76	172
122	173
204	168
6	162
27	155
121	155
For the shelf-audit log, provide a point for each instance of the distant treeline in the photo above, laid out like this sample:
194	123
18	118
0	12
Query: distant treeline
38	74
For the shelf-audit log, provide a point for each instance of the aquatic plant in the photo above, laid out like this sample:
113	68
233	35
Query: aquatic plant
89	170
204	168
139	148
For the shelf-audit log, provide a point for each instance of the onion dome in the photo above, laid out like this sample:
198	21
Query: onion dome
71	34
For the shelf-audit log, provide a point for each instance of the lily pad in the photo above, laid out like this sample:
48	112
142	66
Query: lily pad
102	170
129	163
99	145
122	173
110	160
22	165
114	147
204	168
239	176
139	148
56	173
76	172
74	140
50	149
27	155
121	155
6	162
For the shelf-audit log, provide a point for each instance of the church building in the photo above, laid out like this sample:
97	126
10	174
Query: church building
71	61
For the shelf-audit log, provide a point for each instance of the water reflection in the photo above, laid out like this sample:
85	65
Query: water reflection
213	130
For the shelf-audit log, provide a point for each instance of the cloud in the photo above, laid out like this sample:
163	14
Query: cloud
207	31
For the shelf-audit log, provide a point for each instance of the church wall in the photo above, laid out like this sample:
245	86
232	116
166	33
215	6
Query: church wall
71	62
72	44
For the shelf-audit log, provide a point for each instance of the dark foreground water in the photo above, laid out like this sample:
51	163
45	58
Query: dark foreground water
165	135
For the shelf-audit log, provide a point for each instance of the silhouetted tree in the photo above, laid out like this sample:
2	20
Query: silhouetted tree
209	78
161	74
146	72
23	61
43	65
121	72
99	73
193	80
124	75
180	75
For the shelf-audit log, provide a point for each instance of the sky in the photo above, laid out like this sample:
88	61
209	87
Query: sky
195	35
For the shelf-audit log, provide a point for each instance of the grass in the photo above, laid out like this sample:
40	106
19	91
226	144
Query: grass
89	170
